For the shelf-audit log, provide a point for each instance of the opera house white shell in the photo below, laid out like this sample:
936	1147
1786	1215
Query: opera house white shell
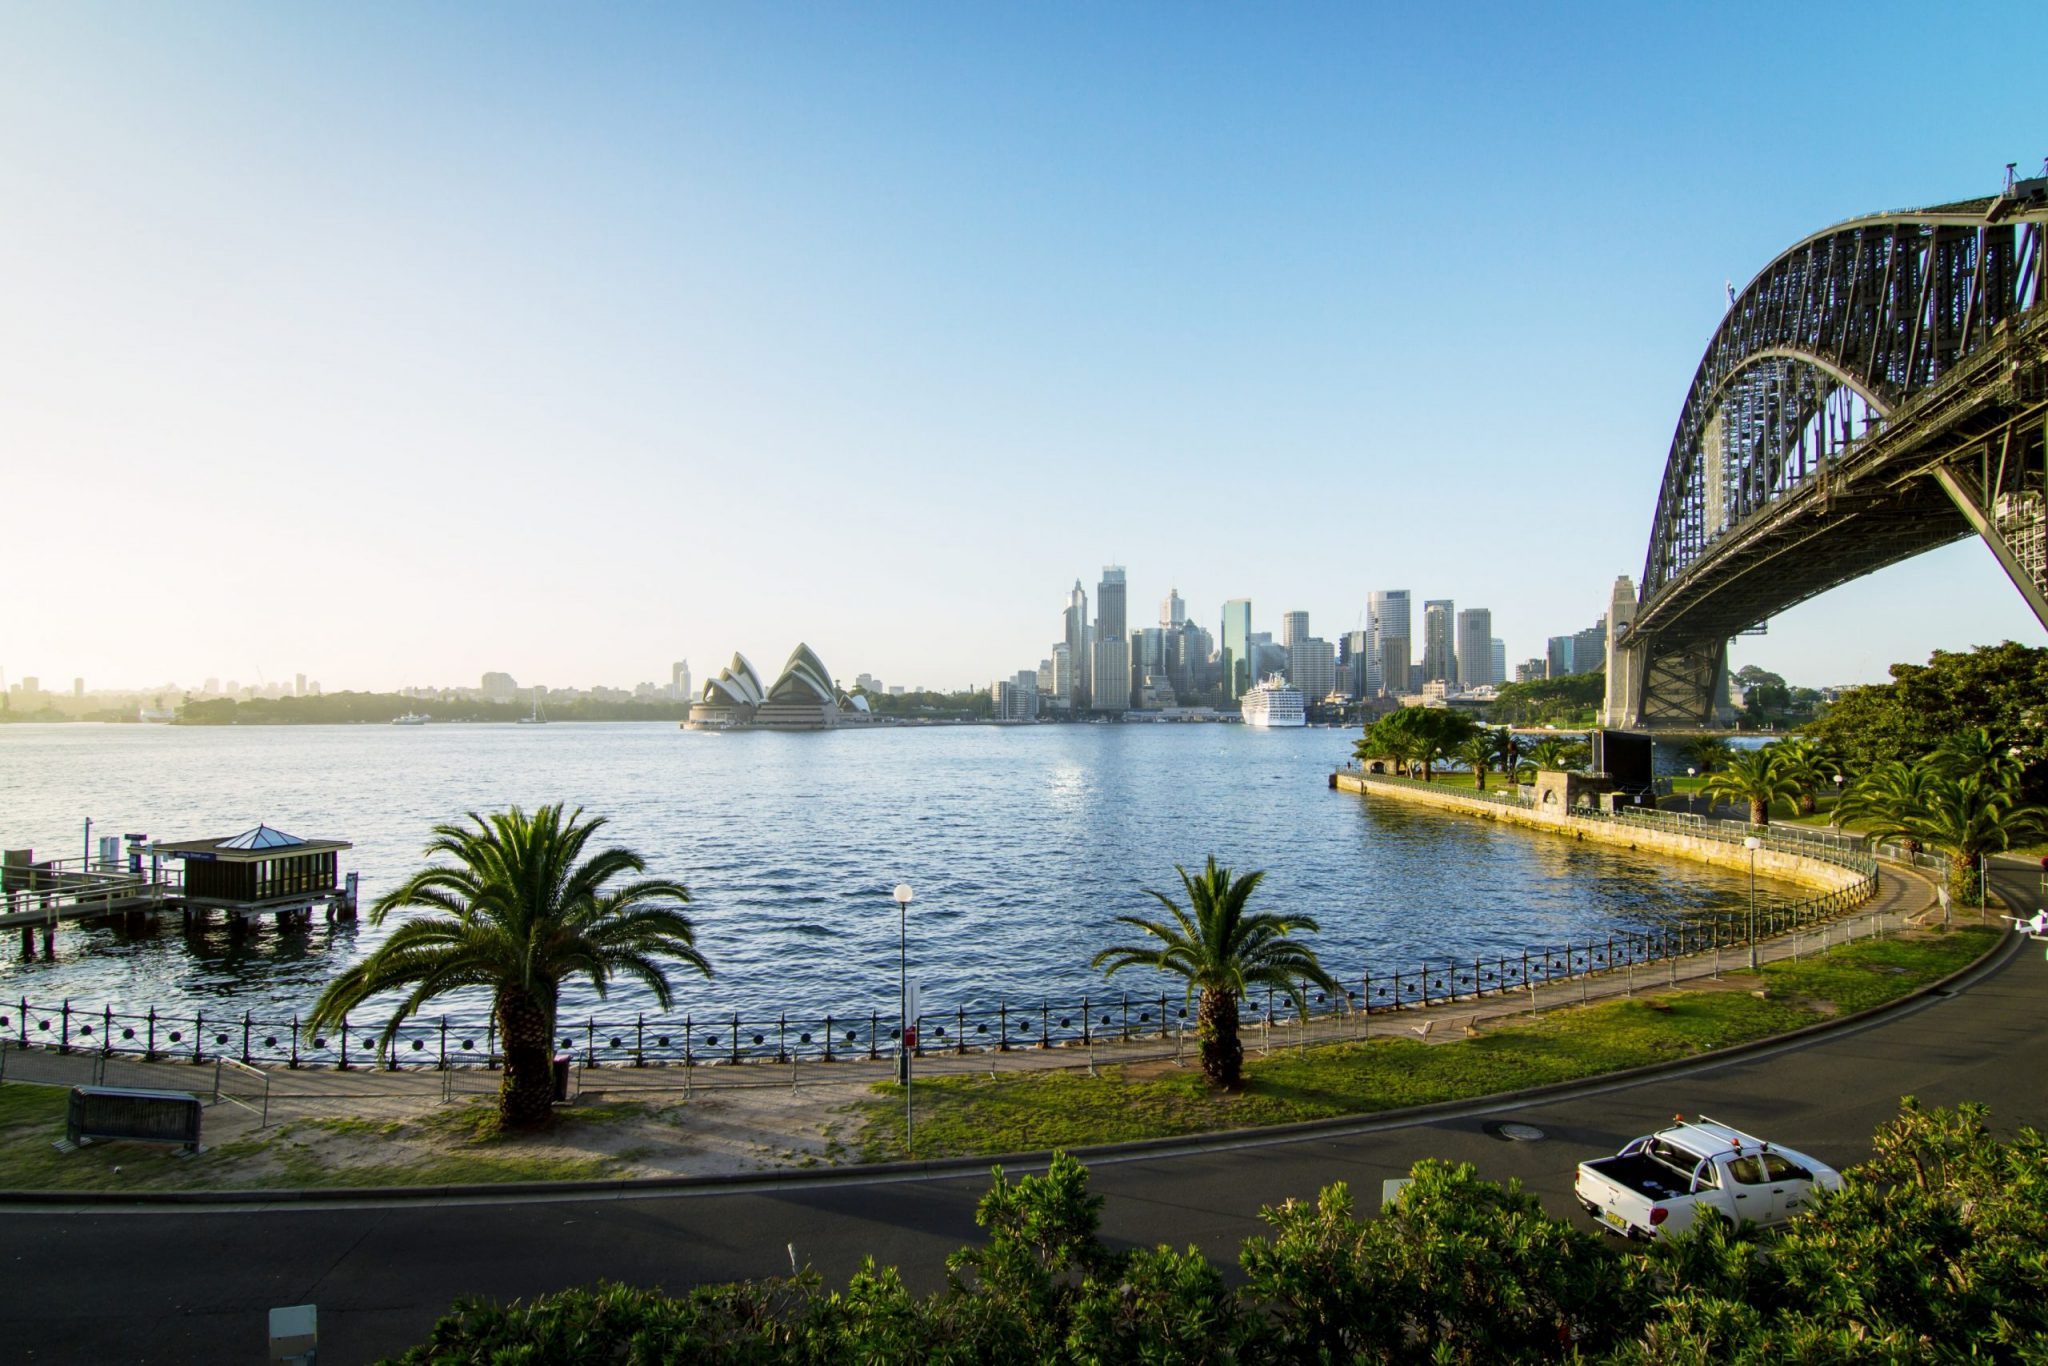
803	698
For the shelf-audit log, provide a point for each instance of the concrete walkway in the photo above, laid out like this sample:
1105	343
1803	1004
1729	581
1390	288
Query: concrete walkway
759	1116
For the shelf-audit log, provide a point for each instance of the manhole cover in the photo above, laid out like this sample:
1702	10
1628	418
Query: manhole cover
1516	1133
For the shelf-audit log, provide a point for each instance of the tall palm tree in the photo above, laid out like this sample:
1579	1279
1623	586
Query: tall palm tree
1220	950
1554	752
1757	776
1707	753
1810	765
513	910
1976	756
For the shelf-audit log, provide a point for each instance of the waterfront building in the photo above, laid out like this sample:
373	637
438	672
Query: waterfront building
729	700
1237	636
1044	680
1109	680
1063	675
679	680
1498	661
1475	647
1589	647
1015	699
1439	649
1173	611
497	687
1077	634
1293	628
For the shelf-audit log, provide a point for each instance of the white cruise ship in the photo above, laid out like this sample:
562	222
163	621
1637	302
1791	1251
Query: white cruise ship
1273	705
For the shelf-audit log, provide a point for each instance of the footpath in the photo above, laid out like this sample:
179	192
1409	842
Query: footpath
753	1117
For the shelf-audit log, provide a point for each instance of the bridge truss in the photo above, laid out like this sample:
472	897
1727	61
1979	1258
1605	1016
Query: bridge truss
1880	389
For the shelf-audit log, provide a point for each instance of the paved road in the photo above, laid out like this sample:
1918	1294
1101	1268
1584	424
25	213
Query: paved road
194	1287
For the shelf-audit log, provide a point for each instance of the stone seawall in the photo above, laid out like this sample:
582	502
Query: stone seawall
1774	863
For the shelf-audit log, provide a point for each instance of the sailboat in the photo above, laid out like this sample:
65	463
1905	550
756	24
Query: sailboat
539	717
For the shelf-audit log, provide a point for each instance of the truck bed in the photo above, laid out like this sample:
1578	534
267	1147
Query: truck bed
1644	1175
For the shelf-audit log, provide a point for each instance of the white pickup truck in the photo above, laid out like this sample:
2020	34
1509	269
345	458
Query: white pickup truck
1658	1184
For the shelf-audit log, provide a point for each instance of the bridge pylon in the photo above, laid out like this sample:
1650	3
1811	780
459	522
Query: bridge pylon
1655	684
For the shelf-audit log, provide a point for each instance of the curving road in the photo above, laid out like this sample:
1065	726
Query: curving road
173	1285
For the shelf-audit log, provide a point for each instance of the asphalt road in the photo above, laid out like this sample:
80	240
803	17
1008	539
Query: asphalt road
185	1286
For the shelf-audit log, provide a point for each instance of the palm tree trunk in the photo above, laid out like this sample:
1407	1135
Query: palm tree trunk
526	1095
1216	1027
1962	878
1807	804
1759	811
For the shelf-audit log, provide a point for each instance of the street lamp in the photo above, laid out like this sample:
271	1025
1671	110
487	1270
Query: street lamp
1752	843
903	1034
1692	793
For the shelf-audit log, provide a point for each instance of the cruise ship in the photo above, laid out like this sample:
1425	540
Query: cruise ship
1273	705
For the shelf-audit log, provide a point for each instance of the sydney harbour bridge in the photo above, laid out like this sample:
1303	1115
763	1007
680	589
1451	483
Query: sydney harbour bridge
1880	389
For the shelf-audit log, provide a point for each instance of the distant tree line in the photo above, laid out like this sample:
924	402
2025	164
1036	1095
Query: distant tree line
353	708
1930	1252
925	704
1561	701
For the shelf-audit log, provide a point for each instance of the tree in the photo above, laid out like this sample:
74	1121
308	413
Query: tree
1966	819
1756	776
1554	752
1883	798
1425	733
1477	752
1706	753
2002	689
515	912
1220	950
1810	765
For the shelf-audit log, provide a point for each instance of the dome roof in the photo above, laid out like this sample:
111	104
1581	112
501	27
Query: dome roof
737	685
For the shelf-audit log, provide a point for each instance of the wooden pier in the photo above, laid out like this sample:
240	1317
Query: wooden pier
246	877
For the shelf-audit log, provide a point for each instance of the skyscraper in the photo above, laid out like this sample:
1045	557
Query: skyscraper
1110	678
1076	632
1237	635
1293	628
1439	651
679	681
1172	610
1475	647
1500	661
1387	614
1312	667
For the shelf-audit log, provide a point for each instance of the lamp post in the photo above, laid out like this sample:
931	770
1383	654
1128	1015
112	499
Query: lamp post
1691	795
1752	843
902	895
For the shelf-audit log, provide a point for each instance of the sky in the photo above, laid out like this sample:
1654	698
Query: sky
394	343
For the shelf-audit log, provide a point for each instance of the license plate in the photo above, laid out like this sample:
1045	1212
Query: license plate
1615	1220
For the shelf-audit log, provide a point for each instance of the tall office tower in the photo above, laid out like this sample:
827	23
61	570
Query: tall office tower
1062	674
1589	647
1150	655
1293	628
1237	638
1475	647
1558	656
1109	683
1439	650
1198	672
299	685
1531	671
1499	661
679	681
1077	647
1044	680
1172	610
1394	665
1312	667
1352	649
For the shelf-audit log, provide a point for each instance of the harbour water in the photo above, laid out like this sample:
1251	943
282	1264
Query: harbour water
1023	845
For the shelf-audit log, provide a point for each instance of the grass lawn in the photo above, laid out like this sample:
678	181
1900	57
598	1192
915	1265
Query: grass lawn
1029	1111
444	1146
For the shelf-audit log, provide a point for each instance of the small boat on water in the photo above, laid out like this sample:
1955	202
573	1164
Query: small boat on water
1273	705
411	718
539	717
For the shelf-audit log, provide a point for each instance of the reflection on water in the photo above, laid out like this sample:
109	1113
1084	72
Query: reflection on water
1023	845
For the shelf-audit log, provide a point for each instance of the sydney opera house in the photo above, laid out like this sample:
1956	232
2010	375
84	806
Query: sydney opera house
803	698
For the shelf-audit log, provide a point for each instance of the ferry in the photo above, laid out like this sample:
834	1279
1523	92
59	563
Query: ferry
1272	705
411	718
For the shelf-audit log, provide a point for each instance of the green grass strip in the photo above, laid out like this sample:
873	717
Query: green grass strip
1029	1111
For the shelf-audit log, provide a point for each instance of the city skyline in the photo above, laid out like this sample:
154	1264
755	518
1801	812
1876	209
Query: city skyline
395	347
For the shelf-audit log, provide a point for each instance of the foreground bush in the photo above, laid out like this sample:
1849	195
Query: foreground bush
1936	1249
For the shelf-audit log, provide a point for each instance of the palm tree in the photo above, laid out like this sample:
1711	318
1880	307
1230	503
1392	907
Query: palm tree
1976	756
1553	752
1757	776
1810	765
1965	819
1222	952
1883	798
1477	752
514	911
1707	753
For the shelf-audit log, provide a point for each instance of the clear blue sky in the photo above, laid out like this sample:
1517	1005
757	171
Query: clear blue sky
393	343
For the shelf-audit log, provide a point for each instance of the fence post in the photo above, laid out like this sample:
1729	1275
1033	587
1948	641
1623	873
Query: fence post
828	1036
64	1028
1086	1039
107	1033
1423	983
1165	1029
735	1036
874	1028
149	1044
782	1037
245	1038
344	1043
689	1061
1126	1027
1003	1024
444	1043
640	1039
295	1050
960	1029
1044	1023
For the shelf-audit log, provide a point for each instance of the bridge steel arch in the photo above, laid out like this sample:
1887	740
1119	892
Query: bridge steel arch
1878	390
